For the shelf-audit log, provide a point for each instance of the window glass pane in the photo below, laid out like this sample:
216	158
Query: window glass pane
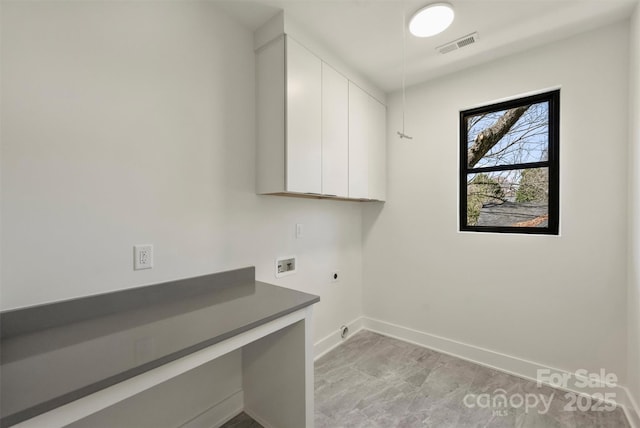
515	198
507	137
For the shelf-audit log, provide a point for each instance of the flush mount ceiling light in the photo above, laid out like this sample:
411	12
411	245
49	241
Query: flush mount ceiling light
431	20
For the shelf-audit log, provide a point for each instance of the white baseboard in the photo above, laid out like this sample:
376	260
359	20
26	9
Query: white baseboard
333	340
256	417
632	410
218	414
495	360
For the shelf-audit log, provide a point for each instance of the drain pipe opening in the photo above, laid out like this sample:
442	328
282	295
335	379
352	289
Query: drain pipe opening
344	331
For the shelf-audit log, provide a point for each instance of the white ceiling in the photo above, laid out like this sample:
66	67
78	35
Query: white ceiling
368	34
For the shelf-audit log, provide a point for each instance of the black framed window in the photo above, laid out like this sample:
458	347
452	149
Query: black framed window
509	166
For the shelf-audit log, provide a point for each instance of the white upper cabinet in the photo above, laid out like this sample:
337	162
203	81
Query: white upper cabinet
303	119
289	118
367	148
377	153
335	133
270	101
318	132
359	131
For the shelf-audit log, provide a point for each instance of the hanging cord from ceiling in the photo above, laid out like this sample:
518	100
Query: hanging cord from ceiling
402	134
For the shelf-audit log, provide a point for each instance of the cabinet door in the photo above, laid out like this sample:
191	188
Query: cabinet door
303	124
367	145
377	150
358	136
335	132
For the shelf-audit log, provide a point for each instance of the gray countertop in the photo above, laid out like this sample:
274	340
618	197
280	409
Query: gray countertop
53	354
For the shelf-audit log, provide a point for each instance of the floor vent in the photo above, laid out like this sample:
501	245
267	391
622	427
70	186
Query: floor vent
457	44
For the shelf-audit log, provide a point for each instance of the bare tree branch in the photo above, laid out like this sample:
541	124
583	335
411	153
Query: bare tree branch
489	137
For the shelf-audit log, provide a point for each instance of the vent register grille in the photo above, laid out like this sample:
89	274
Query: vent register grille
457	44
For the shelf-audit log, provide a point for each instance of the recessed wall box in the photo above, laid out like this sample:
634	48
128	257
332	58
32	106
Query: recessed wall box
285	266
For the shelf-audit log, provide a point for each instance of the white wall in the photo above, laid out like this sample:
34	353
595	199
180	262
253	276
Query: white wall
133	122
634	212
556	301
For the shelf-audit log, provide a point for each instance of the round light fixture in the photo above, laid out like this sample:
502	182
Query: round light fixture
431	20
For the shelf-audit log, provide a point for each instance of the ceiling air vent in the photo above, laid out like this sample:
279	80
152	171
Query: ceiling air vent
457	44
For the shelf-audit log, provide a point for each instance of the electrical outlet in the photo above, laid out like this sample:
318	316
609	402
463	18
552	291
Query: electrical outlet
142	256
